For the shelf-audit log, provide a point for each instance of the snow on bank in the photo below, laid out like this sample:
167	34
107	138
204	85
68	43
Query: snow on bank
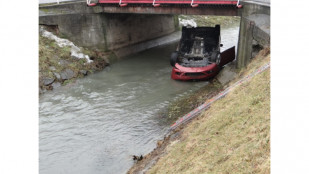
187	22
75	51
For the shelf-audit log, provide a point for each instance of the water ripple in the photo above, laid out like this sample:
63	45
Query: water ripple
96	124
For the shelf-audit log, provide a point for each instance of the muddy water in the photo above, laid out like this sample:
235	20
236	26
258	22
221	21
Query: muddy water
97	123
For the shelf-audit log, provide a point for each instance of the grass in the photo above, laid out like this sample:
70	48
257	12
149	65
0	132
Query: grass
233	136
50	54
189	102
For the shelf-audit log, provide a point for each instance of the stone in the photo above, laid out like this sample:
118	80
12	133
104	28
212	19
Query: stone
254	42
67	74
52	68
47	81
226	74
107	69
56	85
84	72
63	62
106	60
40	91
57	75
55	56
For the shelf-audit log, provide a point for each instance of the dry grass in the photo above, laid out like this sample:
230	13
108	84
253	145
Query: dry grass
50	56
189	102
233	136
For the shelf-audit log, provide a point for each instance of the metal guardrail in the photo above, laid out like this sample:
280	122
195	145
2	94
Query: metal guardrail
156	3
258	1
58	1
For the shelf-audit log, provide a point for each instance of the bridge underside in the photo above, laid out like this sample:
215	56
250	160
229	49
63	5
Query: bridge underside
175	9
112	26
81	8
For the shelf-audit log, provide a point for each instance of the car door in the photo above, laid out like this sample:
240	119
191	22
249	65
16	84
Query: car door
227	56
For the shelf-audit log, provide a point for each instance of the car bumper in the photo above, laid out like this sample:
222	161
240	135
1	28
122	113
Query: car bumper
194	73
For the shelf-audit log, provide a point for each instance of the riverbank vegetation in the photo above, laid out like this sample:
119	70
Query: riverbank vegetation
191	101
58	67
233	136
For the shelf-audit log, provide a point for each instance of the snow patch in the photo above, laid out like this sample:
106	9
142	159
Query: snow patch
187	22
75	51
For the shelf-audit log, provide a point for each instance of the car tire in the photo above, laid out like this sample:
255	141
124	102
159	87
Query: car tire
173	59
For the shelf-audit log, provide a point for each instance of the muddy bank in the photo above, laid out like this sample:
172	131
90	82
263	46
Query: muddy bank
165	146
61	62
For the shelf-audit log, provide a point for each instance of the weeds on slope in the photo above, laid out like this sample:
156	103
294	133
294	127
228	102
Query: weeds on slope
233	136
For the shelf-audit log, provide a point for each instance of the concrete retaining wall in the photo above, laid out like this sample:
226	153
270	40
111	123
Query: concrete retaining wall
254	30
110	31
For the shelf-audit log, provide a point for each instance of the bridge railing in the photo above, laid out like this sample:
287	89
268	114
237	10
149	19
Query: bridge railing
174	1
156	3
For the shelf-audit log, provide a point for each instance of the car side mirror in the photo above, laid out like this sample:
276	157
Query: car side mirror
221	45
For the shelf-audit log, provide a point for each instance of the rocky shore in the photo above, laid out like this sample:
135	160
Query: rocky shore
61	62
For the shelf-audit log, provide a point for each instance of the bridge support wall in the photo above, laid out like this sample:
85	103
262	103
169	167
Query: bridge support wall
117	29
111	31
254	32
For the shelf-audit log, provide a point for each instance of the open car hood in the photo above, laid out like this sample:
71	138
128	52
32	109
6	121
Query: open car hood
227	56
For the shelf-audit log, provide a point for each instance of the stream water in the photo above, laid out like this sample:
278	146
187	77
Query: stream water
95	124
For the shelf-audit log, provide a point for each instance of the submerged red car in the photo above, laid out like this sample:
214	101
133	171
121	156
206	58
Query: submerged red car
198	55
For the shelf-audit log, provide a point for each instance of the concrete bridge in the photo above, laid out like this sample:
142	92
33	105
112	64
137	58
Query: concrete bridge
187	7
124	25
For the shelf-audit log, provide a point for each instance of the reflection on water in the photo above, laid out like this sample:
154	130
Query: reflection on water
97	123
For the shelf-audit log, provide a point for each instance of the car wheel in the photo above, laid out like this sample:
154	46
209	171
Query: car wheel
173	59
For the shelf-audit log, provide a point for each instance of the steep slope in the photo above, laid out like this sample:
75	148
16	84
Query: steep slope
233	136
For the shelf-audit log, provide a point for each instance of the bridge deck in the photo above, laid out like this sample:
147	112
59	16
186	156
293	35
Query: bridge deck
170	2
231	2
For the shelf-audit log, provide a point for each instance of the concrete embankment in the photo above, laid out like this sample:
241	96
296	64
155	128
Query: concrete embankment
123	34
233	136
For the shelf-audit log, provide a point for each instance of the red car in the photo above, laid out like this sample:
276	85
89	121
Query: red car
198	55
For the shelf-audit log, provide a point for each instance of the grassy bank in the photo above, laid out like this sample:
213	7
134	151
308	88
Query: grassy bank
57	67
189	102
233	136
